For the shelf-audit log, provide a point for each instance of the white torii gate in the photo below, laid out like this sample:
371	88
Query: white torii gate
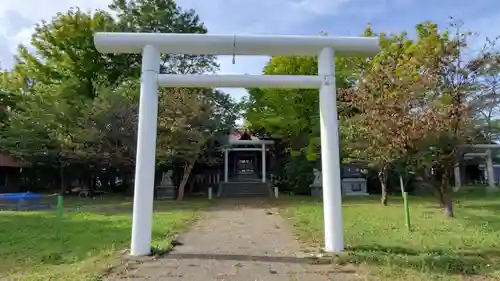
152	44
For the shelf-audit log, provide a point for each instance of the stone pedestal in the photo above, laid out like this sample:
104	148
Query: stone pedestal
165	192
166	189
317	191
354	186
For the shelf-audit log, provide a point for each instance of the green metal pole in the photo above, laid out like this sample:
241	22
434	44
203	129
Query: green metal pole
407	210
405	203
59	206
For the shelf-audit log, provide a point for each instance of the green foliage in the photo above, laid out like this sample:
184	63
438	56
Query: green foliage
67	105
415	94
40	131
190	119
298	175
293	114
164	16
65	53
108	128
411	97
7	103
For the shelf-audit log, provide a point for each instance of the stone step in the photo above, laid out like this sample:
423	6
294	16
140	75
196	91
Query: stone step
244	189
246	195
246	179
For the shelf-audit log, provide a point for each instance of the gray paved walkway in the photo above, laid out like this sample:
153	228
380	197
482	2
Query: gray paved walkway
238	243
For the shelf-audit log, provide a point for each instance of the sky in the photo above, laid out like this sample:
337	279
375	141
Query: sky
301	17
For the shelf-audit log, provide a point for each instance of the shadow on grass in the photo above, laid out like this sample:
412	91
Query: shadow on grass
430	260
219	204
488	223
117	204
46	240
122	204
479	193
29	240
489	206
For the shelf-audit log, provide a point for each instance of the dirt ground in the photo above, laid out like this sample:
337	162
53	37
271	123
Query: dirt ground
235	242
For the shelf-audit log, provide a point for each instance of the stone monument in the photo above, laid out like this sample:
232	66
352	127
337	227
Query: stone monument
354	186
166	178
353	182
166	189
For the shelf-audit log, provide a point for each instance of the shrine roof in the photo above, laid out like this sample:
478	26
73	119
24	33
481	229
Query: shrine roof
241	136
237	138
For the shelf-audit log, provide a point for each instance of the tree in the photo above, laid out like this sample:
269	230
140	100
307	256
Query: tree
54	84
12	86
190	124
390	120
89	96
293	114
454	84
411	97
7	103
181	110
164	16
40	131
108	128
65	54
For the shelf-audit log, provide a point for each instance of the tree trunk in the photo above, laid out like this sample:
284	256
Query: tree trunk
91	180
191	186
439	195
448	205
185	177
446	195
437	183
61	176
382	177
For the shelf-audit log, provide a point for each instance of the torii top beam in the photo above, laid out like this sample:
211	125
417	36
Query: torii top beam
213	44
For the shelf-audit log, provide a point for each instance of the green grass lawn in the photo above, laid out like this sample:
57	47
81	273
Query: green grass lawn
35	246
437	248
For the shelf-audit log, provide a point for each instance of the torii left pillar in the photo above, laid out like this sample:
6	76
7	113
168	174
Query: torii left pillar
146	153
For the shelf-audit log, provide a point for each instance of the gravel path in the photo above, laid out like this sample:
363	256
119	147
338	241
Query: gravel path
235	243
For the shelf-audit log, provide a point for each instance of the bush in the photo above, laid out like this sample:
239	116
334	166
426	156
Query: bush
297	175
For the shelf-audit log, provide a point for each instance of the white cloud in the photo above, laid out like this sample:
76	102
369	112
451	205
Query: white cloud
17	19
21	37
36	10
